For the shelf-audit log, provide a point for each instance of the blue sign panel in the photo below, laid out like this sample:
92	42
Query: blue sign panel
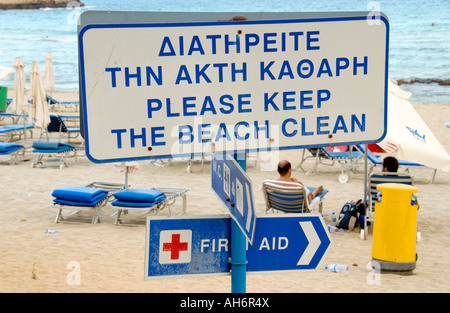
187	246
234	189
291	242
201	245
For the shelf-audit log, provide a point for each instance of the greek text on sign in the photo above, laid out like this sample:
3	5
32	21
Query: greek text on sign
179	88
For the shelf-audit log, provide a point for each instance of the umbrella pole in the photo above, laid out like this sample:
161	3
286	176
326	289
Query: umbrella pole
25	121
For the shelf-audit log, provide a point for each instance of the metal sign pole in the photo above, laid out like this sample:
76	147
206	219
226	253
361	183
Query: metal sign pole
238	247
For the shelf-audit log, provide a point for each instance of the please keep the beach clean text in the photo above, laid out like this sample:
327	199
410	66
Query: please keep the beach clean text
196	73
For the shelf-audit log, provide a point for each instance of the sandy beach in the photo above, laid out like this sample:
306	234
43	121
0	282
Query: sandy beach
111	258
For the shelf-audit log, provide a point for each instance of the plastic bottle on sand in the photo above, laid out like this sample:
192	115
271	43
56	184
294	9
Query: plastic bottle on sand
334	229
338	268
333	219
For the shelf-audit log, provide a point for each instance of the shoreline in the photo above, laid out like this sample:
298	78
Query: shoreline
440	82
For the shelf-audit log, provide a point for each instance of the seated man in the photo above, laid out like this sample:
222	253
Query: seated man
285	171
390	165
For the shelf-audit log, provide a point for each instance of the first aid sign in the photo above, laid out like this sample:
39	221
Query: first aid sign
197	245
175	246
175	89
201	245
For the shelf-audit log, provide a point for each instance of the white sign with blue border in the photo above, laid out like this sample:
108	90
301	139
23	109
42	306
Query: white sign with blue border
200	245
160	90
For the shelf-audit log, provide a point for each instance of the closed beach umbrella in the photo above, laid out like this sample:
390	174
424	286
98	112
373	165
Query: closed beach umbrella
4	72
408	136
18	98
39	110
49	76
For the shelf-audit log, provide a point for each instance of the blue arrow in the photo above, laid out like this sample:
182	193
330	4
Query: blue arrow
294	242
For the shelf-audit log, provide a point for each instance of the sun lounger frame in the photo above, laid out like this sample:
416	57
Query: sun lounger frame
57	125
171	196
61	158
55	103
13	130
14	154
72	218
348	161
406	165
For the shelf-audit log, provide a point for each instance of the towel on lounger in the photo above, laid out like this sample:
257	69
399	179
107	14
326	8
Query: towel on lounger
80	203
43	146
138	197
9	147
79	194
134	204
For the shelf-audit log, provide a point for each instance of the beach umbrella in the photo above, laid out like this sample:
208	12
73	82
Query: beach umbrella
39	110
49	76
4	72
408	136
18	98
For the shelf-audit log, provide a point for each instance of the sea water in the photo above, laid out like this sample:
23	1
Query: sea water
419	35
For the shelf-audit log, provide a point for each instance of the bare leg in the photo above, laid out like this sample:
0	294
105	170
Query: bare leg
318	191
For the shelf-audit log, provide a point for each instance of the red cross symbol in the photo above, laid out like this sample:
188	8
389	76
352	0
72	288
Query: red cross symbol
175	247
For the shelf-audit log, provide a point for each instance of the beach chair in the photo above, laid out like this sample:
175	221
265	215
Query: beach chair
90	199
52	151
145	202
374	179
375	160
13	116
57	125
12	150
289	197
319	157
3	115
348	161
15	130
55	103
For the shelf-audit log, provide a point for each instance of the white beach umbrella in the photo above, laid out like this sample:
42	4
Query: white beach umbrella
4	72
408	136
39	111
18	98
49	76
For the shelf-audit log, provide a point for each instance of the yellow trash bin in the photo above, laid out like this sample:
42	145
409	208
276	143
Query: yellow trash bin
394	230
